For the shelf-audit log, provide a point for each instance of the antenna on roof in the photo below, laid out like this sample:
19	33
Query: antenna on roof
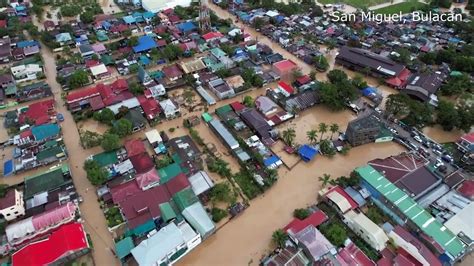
204	17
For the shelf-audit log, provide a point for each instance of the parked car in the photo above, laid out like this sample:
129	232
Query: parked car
417	138
437	152
447	158
413	146
60	117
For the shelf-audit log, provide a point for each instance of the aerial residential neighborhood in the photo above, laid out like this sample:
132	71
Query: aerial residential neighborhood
236	132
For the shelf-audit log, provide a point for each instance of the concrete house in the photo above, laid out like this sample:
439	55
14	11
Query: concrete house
362	130
365	228
221	89
12	205
170	108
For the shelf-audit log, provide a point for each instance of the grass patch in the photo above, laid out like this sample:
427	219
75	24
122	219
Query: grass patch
248	185
355	3
404	7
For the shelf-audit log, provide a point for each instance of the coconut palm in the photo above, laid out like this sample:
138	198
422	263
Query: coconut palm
312	136
333	128
325	179
279	237
289	136
323	128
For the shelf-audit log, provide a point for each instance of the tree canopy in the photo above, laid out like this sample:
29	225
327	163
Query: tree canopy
110	142
97	175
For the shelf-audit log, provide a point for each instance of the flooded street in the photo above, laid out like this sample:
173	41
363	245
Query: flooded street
248	237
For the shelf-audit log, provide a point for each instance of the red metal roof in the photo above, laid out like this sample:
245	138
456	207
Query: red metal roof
286	87
177	184
123	191
467	189
469	137
212	35
422	249
38	112
303	79
96	103
134	147
285	65
66	240
147	178
82	94
316	218
352	255
172	71
237	106
144	205
150	106
8	200
142	162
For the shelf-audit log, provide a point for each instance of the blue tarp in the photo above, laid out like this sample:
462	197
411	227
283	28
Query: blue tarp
307	152
186	26
148	15
271	160
8	168
369	90
145	43
279	18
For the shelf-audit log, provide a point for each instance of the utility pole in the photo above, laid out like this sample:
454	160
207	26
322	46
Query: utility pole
204	17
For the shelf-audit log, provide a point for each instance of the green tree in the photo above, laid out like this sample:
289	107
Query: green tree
258	23
249	101
330	97
398	105
78	79
321	62
87	17
466	116
289	136
312	136
324	179
106	116
110	142
172	52
3	190
301	213
97	175
279	237
359	82
222	192
335	233
374	214
188	95
136	88
326	148
447	115
322	128
133	41
123	127
218	214
334	128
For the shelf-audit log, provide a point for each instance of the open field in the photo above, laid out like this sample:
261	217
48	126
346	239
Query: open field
404	7
354	3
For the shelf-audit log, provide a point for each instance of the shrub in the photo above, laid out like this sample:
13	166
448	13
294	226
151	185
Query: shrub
218	214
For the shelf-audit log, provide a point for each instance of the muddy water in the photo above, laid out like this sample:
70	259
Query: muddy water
248	237
438	134
92	215
109	7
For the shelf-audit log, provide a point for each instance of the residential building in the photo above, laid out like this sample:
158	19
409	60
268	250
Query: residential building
315	219
287	256
67	243
5	49
399	204
26	72
187	151
366	229
192	66
12	205
409	172
99	71
285	89
315	245
410	244
33	91
235	82
220	88
199	219
362	130
64	38
222	57
266	106
167	245
201	183
38	225
257	122
86	50
285	69
352	255
379	66
424	86
223	133
339	199
172	72
466	143
462	224
170	108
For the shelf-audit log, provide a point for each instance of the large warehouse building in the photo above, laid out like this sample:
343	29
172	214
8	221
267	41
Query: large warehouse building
156	6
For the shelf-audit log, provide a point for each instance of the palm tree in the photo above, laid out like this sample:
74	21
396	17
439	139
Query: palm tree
289	136
312	136
333	128
325	179
323	128
279	237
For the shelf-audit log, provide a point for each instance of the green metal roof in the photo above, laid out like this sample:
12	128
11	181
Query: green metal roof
49	152
167	212
106	158
45	181
168	172
123	247
417	214
184	198
142	229
207	117
223	110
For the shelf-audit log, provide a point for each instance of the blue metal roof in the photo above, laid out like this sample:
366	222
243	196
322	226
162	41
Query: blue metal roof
186	26
129	19
8	168
45	131
145	43
307	152
23	44
368	91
